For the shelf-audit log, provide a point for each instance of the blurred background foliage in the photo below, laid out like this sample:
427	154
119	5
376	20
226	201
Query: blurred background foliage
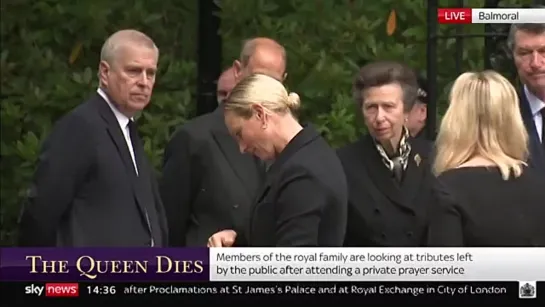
50	53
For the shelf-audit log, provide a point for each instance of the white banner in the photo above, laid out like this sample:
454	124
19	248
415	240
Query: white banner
377	264
506	15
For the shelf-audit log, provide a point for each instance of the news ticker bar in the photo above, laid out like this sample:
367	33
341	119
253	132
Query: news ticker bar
417	291
273	265
498	15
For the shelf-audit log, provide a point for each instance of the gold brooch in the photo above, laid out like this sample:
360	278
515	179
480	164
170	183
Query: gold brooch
417	159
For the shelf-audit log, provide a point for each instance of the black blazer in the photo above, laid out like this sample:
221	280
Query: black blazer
423	135
303	202
207	184
477	208
85	191
382	212
537	152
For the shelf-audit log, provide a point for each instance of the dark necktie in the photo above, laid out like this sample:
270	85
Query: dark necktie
543	126
138	149
136	144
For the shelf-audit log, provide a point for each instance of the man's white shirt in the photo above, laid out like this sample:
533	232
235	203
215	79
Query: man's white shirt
123	121
536	105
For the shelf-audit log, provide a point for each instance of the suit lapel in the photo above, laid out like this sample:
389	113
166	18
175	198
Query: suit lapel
302	139
118	138
528	118
537	153
413	177
377	170
307	135
112	125
245	166
261	194
264	189
403	193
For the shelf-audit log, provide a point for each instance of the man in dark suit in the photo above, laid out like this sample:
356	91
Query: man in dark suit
527	43
416	119
208	184
93	186
387	171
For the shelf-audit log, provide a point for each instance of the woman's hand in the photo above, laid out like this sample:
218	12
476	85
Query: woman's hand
224	238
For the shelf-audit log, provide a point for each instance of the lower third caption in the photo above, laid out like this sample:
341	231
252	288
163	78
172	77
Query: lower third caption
415	290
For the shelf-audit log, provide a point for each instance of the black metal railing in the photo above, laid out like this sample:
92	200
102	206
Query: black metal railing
494	53
209	56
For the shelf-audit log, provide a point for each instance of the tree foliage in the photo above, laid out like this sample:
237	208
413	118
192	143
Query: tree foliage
51	51
49	65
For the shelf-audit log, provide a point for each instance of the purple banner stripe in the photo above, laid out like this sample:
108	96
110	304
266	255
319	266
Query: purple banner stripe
104	264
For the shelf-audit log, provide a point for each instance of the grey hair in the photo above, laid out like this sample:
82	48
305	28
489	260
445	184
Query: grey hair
122	38
249	47
536	28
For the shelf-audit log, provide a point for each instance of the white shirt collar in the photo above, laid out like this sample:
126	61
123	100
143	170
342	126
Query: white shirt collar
122	119
536	104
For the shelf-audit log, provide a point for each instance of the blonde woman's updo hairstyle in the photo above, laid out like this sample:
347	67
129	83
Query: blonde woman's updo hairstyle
263	90
483	119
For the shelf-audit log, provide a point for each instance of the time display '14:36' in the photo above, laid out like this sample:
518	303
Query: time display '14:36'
101	290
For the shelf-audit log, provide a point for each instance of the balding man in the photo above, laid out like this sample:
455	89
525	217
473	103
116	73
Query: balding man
261	56
207	184
226	83
93	186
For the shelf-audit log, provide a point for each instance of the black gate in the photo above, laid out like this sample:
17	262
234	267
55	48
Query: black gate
209	53
496	55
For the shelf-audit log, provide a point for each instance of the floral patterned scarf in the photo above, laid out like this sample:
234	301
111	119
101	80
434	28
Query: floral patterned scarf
401	158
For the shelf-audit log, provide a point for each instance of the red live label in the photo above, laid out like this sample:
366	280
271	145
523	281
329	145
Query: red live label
454	15
62	289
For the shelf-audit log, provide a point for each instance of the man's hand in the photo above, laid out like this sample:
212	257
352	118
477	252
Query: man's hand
224	238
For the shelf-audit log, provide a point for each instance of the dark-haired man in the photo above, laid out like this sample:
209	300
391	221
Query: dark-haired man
416	119
527	44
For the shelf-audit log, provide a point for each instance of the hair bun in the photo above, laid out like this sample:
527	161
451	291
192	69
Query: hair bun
293	101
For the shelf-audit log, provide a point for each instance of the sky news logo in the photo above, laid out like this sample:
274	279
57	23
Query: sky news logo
53	290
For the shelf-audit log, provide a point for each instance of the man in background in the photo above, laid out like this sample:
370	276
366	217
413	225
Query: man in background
93	186
416	121
226	83
208	185
527	44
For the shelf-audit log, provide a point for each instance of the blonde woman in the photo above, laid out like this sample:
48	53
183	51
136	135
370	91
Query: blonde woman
487	195
304	199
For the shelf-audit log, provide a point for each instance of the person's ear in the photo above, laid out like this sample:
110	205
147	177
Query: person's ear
237	70
423	112
103	72
260	114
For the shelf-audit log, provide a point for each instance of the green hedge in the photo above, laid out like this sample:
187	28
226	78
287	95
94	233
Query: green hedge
51	53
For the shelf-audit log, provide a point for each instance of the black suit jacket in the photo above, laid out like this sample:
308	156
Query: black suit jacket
382	212
537	152
477	208
423	135
85	191
207	184
304	199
